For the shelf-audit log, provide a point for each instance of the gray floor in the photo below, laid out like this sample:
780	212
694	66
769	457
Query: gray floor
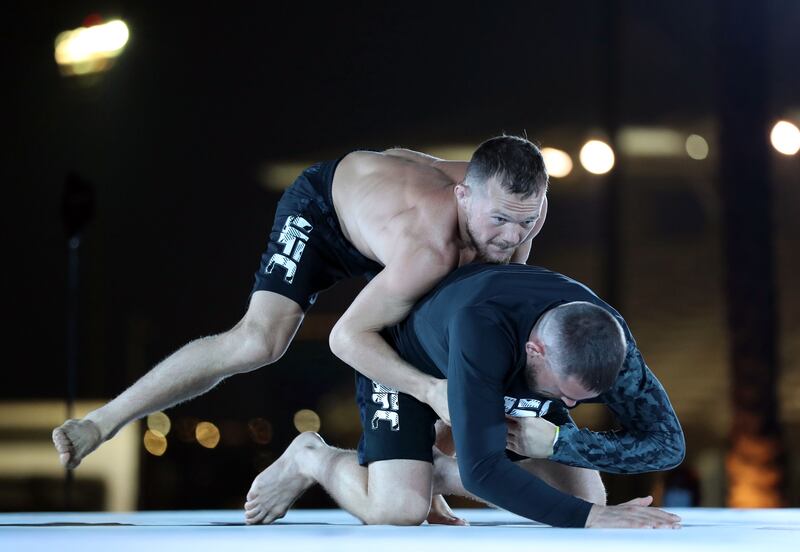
326	530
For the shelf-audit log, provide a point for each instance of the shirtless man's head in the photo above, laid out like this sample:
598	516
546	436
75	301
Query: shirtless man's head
501	197
575	352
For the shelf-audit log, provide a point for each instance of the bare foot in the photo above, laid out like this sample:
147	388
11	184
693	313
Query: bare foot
276	488
441	514
75	439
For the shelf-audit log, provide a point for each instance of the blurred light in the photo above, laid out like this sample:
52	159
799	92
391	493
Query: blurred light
260	431
90	49
754	473
279	176
597	157
26	452
92	19
160	422
558	163
650	142
207	434
340	414
697	147
154	442
785	138
306	420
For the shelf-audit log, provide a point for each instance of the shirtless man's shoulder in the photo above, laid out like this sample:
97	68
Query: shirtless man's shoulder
399	201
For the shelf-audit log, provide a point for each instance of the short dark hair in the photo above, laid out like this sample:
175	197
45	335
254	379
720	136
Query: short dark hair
517	162
587	343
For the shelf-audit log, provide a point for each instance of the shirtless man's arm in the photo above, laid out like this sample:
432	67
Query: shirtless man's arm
411	272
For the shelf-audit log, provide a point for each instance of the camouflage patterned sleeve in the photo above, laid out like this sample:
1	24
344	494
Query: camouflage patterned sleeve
650	437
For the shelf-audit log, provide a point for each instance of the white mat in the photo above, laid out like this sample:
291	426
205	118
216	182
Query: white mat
329	530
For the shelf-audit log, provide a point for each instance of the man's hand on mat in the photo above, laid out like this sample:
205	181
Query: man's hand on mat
530	436
634	514
437	399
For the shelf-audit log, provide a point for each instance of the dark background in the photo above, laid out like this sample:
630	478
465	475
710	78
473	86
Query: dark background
175	136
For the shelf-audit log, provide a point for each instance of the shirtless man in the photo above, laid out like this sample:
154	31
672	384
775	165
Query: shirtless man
405	217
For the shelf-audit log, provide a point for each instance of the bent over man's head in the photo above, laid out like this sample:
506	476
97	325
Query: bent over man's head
575	352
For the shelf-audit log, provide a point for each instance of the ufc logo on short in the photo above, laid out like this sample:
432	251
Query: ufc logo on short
294	236
387	398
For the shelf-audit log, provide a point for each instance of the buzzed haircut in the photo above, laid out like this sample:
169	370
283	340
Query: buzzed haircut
587	343
515	161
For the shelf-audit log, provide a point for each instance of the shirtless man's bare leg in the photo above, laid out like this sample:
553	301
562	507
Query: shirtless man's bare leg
439	217
375	494
390	492
261	337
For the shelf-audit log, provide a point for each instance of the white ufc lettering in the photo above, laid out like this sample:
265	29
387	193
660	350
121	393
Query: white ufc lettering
392	417
387	398
293	237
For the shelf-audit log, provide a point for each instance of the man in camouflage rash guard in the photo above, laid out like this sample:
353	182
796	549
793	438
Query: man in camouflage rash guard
472	329
650	438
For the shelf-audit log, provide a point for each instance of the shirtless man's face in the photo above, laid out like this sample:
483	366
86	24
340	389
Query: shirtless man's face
497	222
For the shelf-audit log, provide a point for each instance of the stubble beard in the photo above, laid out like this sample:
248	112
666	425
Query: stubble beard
482	251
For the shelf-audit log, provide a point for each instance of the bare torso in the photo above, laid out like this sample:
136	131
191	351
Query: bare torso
383	200
410	212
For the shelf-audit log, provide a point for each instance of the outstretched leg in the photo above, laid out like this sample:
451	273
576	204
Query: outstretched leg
260	338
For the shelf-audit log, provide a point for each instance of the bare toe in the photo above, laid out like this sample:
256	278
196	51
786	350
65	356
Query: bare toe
75	439
276	488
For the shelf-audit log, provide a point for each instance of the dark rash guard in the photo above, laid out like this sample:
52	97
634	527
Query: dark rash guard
472	329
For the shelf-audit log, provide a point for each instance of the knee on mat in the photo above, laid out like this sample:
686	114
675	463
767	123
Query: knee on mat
411	512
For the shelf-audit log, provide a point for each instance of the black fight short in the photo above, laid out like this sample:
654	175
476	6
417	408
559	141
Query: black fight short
307	252
396	426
